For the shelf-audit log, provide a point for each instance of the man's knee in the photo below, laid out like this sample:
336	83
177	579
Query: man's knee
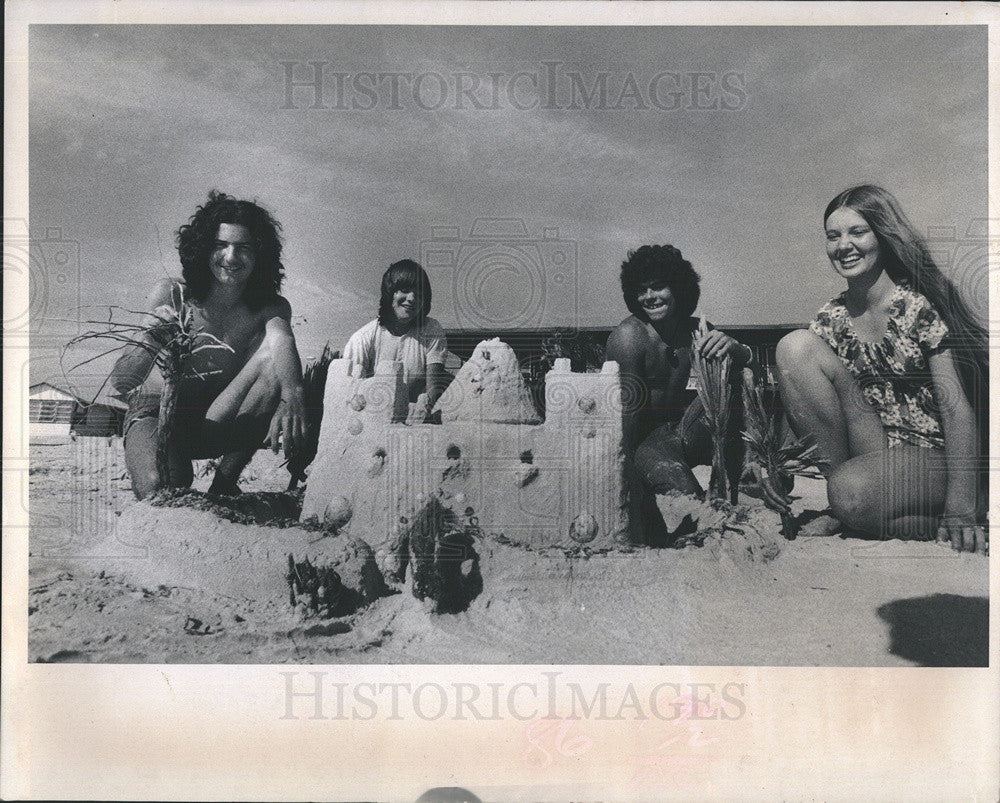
850	492
660	464
144	482
263	359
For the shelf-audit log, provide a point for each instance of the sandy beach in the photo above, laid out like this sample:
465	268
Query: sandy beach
826	600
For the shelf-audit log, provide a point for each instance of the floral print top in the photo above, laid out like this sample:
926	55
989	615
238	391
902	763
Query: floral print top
893	373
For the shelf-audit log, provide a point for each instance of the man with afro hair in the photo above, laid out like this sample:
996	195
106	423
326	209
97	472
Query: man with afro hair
652	347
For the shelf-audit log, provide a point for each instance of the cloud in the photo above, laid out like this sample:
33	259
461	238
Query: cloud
131	125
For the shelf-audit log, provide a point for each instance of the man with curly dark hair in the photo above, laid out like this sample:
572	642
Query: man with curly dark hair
652	347
234	397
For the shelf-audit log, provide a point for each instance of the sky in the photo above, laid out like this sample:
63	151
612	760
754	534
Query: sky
519	197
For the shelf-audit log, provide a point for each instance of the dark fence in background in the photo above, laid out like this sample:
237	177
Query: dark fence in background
535	347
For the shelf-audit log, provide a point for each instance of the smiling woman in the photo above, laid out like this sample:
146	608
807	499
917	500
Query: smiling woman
890	379
851	244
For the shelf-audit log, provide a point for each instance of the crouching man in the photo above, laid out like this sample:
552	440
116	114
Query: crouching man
231	399
663	436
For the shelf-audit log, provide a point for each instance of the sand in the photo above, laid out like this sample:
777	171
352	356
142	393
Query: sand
823	601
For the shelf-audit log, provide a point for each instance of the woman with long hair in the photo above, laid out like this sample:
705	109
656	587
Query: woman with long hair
891	381
403	332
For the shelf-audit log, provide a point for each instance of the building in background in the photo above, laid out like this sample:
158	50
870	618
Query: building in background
50	411
56	413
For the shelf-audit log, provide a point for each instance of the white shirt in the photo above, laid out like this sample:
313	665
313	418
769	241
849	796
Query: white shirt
416	348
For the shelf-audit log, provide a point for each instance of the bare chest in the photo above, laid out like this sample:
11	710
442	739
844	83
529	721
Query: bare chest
664	360
236	332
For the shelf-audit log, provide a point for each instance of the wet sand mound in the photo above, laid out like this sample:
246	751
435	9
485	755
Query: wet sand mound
188	540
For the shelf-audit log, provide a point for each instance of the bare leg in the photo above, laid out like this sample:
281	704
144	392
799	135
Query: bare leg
237	422
646	526
227	473
661	463
895	493
240	415
657	467
140	460
823	399
234	426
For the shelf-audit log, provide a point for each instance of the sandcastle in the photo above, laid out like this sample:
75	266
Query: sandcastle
552	483
392	500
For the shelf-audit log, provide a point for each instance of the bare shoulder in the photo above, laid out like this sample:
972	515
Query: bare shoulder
627	342
165	291
629	335
279	308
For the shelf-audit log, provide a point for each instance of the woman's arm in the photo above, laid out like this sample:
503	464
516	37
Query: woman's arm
136	362
289	419
436	379
958	524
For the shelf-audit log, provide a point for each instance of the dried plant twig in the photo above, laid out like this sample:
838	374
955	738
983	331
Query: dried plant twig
172	340
779	455
714	392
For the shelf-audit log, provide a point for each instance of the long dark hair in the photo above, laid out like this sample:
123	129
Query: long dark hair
196	241
405	275
906	259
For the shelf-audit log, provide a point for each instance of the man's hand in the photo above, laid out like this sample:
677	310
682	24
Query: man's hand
288	425
963	532
716	344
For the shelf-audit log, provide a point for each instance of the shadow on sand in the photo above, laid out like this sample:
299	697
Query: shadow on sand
939	630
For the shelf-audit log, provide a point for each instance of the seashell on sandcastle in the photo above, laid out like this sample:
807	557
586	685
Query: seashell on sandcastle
527	479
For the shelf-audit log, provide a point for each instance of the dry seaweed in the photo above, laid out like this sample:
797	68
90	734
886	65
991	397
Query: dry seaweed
263	508
714	392
171	340
780	455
